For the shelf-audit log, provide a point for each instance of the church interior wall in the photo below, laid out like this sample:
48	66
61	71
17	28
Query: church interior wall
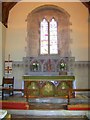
0	53
16	36
81	76
2	49
17	29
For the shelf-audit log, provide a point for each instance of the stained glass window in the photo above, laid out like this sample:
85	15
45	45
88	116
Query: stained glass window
48	37
53	37
44	37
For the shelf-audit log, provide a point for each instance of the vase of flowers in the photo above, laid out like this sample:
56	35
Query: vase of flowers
62	69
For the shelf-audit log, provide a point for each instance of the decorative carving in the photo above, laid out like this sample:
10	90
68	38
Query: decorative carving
45	88
48	89
71	65
51	65
34	89
62	89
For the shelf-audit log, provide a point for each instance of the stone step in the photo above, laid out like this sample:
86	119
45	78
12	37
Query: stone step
27	117
47	106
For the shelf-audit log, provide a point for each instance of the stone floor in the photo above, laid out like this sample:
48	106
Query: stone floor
22	117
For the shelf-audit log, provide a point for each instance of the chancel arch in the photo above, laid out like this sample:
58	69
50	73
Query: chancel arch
62	20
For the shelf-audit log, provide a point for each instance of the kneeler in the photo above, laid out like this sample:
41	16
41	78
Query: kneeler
79	107
14	105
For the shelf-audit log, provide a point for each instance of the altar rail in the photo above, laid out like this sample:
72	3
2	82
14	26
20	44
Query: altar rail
28	97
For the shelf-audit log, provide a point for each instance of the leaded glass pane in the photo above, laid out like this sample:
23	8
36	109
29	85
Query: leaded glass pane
53	37
44	37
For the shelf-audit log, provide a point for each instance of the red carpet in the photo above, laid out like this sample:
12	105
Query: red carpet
13	105
79	107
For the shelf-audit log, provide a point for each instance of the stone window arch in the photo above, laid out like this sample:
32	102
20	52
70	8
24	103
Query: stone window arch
33	29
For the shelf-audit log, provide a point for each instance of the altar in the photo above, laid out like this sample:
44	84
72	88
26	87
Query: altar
48	76
48	86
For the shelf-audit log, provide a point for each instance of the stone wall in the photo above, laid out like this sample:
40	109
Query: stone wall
33	29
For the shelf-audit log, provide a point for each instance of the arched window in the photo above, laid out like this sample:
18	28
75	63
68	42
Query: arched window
48	37
44	37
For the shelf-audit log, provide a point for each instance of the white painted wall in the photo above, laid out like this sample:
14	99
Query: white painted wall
2	50
81	77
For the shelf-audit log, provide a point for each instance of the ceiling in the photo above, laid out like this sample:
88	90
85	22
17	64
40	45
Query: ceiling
5	7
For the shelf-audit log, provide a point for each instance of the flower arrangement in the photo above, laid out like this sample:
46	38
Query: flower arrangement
62	66
35	66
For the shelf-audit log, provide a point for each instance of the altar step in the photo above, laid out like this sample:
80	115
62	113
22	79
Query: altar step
47	106
49	115
27	117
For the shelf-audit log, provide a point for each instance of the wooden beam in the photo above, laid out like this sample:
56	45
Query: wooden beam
87	4
6	7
